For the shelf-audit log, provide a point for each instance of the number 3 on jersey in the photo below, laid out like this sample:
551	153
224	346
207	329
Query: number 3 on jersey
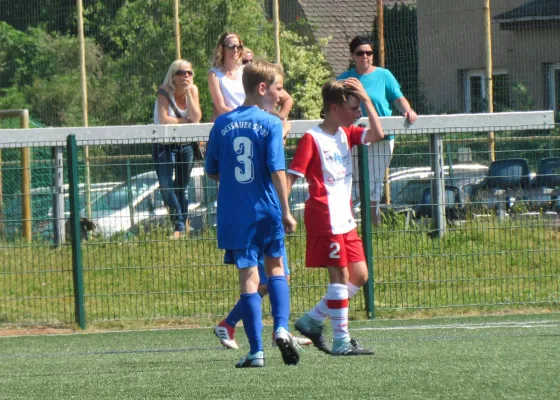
244	148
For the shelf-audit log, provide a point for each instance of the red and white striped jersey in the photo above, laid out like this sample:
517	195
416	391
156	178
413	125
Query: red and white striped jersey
326	162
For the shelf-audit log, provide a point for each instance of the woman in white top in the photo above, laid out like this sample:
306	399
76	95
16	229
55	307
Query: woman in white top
225	76
173	162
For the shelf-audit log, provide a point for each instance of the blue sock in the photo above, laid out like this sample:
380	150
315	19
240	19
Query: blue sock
235	314
279	292
252	320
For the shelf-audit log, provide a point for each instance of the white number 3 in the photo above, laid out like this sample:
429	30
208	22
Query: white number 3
336	248
244	147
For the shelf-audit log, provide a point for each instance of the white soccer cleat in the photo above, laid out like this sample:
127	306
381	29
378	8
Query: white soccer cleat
226	334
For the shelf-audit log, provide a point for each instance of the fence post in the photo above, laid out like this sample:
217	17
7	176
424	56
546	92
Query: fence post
73	180
58	197
366	228
489	84
129	196
438	185
27	227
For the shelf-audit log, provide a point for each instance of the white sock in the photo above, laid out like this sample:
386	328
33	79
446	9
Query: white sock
337	301
352	290
320	312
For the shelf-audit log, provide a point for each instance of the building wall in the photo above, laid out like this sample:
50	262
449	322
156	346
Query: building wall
451	39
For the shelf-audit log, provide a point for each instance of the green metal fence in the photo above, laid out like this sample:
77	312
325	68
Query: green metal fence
499	246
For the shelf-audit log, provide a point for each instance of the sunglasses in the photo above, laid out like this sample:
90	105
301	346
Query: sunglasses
246	61
361	53
183	72
233	46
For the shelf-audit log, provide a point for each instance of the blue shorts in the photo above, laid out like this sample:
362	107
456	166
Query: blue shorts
249	257
263	279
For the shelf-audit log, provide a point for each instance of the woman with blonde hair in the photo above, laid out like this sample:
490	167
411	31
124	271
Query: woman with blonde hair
225	76
177	103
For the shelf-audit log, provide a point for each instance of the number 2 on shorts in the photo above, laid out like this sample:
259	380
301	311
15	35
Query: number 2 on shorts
335	249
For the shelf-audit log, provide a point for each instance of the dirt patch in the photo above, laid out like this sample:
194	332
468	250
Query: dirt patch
34	331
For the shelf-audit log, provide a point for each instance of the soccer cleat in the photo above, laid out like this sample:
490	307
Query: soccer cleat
287	347
313	330
251	361
355	344
344	347
302	341
226	334
298	341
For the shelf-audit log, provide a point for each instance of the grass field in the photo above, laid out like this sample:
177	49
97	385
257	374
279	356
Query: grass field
148	277
513	357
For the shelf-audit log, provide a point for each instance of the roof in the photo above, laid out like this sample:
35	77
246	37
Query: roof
340	20
534	10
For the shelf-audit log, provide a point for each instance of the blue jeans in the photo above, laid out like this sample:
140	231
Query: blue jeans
178	158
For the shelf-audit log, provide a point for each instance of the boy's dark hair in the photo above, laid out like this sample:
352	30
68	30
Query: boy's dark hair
358	41
335	92
260	71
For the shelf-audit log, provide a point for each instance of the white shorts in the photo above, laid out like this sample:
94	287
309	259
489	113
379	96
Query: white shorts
379	158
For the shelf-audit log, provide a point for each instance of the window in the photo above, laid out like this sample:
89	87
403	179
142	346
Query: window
475	90
554	85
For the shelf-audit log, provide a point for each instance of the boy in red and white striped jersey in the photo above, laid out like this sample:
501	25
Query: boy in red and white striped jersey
323	157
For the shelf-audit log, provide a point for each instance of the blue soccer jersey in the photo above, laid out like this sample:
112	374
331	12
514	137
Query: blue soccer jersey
244	148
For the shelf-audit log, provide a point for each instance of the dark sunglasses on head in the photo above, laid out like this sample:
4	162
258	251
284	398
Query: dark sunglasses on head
183	72
233	46
246	61
361	53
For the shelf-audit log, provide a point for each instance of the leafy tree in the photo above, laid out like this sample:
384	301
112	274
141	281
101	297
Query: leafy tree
128	50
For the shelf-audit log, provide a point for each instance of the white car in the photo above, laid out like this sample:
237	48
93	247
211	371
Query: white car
138	203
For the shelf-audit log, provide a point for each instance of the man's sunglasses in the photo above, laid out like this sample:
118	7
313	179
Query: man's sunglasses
246	61
233	46
183	72
361	53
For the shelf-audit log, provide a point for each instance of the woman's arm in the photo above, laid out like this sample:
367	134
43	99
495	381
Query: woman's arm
193	104
216	93
403	106
163	110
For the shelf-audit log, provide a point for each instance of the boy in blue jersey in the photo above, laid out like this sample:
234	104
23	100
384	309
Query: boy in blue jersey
245	154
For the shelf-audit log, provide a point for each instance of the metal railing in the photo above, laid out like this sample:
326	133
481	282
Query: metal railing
454	235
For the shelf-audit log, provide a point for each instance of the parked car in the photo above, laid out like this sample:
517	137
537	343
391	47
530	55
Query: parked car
42	200
139	204
509	182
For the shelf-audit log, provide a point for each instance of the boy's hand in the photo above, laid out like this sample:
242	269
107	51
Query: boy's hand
289	223
286	127
357	87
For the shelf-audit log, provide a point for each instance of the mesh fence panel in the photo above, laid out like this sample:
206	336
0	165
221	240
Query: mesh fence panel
500	246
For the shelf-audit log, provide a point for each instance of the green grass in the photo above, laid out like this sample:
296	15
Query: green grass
495	358
149	277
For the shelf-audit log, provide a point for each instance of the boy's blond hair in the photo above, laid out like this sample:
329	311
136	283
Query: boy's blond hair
260	71
335	92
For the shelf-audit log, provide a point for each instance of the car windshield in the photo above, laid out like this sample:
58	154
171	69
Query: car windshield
118	197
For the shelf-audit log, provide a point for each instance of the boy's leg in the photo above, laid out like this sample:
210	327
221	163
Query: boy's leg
279	294
251	307
358	276
246	261
337	302
225	330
